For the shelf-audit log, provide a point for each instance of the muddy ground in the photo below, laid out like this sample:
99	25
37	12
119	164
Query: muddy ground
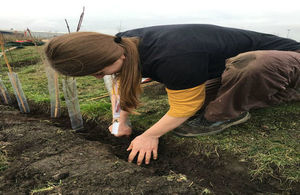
46	155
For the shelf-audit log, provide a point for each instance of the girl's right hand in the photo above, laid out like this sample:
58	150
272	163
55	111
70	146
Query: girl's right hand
124	130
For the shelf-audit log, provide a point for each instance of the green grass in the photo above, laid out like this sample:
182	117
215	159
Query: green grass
269	141
21	57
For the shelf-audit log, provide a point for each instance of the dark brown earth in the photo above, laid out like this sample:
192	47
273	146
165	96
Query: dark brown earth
47	153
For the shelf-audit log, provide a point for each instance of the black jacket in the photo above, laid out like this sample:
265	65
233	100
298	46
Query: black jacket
184	56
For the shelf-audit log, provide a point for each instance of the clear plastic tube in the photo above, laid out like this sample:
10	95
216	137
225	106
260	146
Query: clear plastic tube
4	95
110	86
16	85
53	87
108	81
70	93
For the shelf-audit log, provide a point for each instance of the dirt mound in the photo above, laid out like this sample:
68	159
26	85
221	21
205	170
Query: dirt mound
46	157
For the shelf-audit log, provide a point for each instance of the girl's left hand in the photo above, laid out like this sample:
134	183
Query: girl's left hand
145	145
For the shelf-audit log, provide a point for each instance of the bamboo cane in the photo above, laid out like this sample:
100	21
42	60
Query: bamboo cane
80	20
67	26
98	98
36	47
10	71
3	52
56	94
2	89
12	48
4	95
107	95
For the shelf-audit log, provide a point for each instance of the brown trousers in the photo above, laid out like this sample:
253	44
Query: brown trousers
251	80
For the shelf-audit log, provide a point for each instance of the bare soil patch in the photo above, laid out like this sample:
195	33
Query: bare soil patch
46	155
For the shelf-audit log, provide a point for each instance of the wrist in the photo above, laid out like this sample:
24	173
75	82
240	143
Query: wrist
150	134
122	120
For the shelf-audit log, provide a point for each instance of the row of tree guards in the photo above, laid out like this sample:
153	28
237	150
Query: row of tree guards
69	88
70	95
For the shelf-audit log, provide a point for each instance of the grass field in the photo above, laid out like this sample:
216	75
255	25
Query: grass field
269	141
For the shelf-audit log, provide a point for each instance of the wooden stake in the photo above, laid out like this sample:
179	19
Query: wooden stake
67	26
4	95
36	47
97	98
56	94
80	20
106	95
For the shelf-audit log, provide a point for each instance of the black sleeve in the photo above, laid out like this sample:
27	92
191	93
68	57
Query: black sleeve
272	42
183	71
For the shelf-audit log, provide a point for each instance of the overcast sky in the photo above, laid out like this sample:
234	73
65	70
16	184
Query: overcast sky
109	16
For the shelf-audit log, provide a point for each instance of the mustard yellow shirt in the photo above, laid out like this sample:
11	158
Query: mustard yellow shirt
185	102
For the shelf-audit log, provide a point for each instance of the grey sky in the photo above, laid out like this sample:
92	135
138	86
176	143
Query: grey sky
270	16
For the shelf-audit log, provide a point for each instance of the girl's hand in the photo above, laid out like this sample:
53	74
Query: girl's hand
145	145
124	129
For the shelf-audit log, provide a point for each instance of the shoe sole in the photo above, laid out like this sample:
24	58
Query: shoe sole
242	120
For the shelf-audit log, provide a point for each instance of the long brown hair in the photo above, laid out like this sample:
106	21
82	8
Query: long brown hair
85	53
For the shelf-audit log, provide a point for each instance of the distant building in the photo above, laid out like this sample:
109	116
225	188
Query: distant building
45	35
39	35
5	32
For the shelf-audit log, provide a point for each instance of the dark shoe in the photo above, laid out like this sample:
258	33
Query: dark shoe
200	126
